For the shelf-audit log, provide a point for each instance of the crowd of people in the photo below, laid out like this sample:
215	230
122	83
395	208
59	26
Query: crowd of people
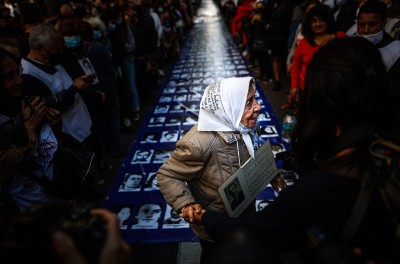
271	33
77	68
81	68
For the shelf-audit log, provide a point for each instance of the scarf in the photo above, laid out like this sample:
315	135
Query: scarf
222	106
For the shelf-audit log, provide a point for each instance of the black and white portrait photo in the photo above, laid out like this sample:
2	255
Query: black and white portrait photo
123	213
173	121
161	109
160	156
142	156
132	183
150	137
148	216
169	136
157	121
151	182
173	220
234	193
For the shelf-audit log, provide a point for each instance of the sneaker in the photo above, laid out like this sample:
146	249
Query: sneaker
277	86
136	116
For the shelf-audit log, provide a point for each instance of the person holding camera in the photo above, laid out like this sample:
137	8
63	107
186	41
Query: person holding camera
19	124
114	249
348	101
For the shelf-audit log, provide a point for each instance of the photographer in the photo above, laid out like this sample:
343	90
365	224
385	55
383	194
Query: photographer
114	250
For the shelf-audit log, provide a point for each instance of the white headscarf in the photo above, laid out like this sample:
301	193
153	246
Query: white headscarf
222	106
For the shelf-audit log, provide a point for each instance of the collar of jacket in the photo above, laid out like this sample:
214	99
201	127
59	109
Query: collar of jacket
228	136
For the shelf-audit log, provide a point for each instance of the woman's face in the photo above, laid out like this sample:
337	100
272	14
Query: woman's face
251	110
11	77
318	26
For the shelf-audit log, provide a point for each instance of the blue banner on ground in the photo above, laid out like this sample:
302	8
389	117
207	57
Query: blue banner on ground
209	54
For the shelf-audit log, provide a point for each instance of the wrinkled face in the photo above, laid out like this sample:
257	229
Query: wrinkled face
133	181
149	213
318	26
12	80
369	23
124	213
251	110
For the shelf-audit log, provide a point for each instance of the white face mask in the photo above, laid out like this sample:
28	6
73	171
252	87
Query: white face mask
373	38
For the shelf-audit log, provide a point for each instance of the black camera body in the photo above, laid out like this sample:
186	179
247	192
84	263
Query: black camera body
30	238
49	101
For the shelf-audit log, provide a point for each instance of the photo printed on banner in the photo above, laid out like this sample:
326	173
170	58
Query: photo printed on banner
190	120
172	219
156	121
161	109
269	131
132	182
151	182
124	215
142	156
173	121
148	216
177	108
161	156
169	136
150	137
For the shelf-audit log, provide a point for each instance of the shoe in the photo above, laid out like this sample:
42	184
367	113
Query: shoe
136	116
277	86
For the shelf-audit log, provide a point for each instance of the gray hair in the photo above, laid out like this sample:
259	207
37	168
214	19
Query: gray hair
44	35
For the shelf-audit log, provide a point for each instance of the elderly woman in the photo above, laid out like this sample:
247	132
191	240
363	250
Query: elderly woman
222	141
348	100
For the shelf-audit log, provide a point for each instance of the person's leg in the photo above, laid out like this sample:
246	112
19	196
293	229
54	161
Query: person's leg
130	71
207	251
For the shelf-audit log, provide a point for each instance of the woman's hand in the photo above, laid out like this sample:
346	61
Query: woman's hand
33	113
189	211
53	117
114	250
278	183
198	216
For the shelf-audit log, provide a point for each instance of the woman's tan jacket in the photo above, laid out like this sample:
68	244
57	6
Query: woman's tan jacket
200	164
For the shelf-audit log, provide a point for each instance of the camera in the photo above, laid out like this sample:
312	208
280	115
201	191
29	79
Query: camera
49	101
30	237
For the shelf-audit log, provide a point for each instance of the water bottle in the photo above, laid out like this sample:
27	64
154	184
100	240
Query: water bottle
288	124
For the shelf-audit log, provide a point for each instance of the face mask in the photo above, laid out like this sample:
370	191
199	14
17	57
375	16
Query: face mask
252	131
72	42
111	27
55	59
97	35
374	38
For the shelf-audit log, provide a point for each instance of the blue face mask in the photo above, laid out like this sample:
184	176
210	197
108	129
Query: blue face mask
252	131
72	42
97	35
